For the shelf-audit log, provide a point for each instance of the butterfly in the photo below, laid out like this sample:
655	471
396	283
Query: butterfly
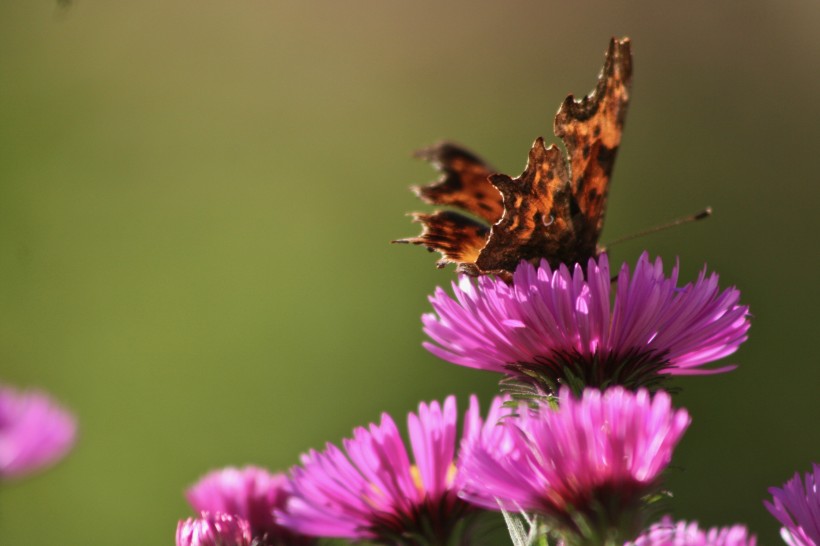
554	210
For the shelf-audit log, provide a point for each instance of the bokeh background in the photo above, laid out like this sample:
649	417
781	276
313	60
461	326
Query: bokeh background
196	201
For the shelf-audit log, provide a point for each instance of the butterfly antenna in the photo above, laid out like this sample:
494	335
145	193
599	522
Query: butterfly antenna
700	215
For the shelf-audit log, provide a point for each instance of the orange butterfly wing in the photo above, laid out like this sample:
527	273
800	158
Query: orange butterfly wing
555	209
464	184
591	130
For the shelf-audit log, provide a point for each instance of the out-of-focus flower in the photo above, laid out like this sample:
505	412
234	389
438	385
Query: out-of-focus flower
551	328
670	533
35	431
586	467
372	491
250	493
214	530
797	506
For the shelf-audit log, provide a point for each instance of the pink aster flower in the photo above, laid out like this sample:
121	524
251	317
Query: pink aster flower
586	467
35	431
214	530
372	490
552	328
250	493
682	533
797	507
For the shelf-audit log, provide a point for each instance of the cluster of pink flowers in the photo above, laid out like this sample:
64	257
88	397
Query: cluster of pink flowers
554	462
583	456
583	459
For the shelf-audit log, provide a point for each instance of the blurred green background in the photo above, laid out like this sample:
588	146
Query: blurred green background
196	200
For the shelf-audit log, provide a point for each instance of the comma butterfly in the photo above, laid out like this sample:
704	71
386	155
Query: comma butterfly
554	210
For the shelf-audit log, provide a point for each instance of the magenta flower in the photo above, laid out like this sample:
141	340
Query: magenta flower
250	493
214	530
372	491
586	468
35	431
682	533
552	328
797	507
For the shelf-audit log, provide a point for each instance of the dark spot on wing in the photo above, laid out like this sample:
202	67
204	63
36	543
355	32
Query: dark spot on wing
606	157
574	209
